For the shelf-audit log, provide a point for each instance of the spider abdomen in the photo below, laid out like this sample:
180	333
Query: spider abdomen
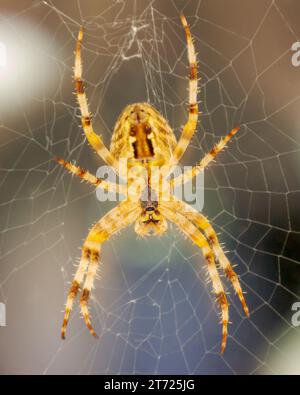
141	132
141	137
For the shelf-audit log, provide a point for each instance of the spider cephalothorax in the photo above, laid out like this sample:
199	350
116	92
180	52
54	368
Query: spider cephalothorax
145	140
150	222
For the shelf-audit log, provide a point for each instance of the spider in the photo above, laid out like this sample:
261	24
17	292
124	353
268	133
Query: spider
145	139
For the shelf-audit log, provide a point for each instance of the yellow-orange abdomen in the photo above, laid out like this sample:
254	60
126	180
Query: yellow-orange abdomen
141	132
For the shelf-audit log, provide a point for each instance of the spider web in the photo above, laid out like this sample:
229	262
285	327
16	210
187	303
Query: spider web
153	307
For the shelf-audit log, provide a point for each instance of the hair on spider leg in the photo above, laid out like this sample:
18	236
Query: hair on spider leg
208	279
228	322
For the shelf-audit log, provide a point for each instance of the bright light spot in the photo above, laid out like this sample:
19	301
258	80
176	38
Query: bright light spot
29	67
3	55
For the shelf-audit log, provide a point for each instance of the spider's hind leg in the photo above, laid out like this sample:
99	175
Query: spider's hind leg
191	124
94	139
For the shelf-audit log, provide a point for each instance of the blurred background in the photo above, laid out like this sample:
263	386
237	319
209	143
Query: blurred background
152	306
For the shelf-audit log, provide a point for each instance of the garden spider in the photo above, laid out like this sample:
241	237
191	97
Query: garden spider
144	138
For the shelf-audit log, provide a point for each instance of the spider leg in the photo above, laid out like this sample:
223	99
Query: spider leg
208	158
190	230
91	179
94	139
203	224
83	265
190	127
94	250
117	219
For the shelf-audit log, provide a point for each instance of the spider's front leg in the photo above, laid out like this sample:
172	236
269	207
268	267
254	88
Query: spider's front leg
204	225
118	218
190	230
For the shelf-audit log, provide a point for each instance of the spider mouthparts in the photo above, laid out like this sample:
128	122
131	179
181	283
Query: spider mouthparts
150	208
151	221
